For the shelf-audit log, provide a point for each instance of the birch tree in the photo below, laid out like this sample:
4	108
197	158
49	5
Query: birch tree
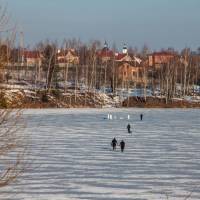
49	63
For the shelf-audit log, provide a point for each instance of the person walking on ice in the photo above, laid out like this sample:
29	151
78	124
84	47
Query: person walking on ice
129	128
141	117
122	145
114	143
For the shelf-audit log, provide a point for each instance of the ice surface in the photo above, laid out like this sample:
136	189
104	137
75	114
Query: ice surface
71	156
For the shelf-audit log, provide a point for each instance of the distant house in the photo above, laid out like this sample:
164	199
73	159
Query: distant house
157	59
69	56
121	57
128	72
31	58
105	54
128	66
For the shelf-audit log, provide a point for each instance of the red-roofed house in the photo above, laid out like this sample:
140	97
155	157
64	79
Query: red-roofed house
121	57
32	58
105	54
128	66
67	56
157	59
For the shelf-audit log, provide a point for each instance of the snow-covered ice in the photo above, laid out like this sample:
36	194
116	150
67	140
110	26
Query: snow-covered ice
71	156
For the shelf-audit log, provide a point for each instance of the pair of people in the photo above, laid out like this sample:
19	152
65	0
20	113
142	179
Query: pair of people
121	144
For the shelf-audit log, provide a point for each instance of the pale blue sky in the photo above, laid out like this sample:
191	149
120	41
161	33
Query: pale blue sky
157	23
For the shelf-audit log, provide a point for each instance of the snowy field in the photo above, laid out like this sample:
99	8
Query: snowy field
72	157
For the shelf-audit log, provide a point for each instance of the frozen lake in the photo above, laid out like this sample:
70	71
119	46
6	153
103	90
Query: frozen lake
72	156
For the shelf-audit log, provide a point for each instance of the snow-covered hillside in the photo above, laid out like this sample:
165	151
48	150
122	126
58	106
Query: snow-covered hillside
72	158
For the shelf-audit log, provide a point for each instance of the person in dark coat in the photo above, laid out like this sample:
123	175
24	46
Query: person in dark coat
141	117
114	143
122	145
129	128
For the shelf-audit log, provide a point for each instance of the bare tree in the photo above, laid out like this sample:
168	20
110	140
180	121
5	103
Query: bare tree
49	63
12	146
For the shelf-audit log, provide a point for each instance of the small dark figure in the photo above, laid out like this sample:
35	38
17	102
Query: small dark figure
141	117
129	128
122	145
114	143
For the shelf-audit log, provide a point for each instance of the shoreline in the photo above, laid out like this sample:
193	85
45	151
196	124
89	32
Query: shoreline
22	99
154	106
132	102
